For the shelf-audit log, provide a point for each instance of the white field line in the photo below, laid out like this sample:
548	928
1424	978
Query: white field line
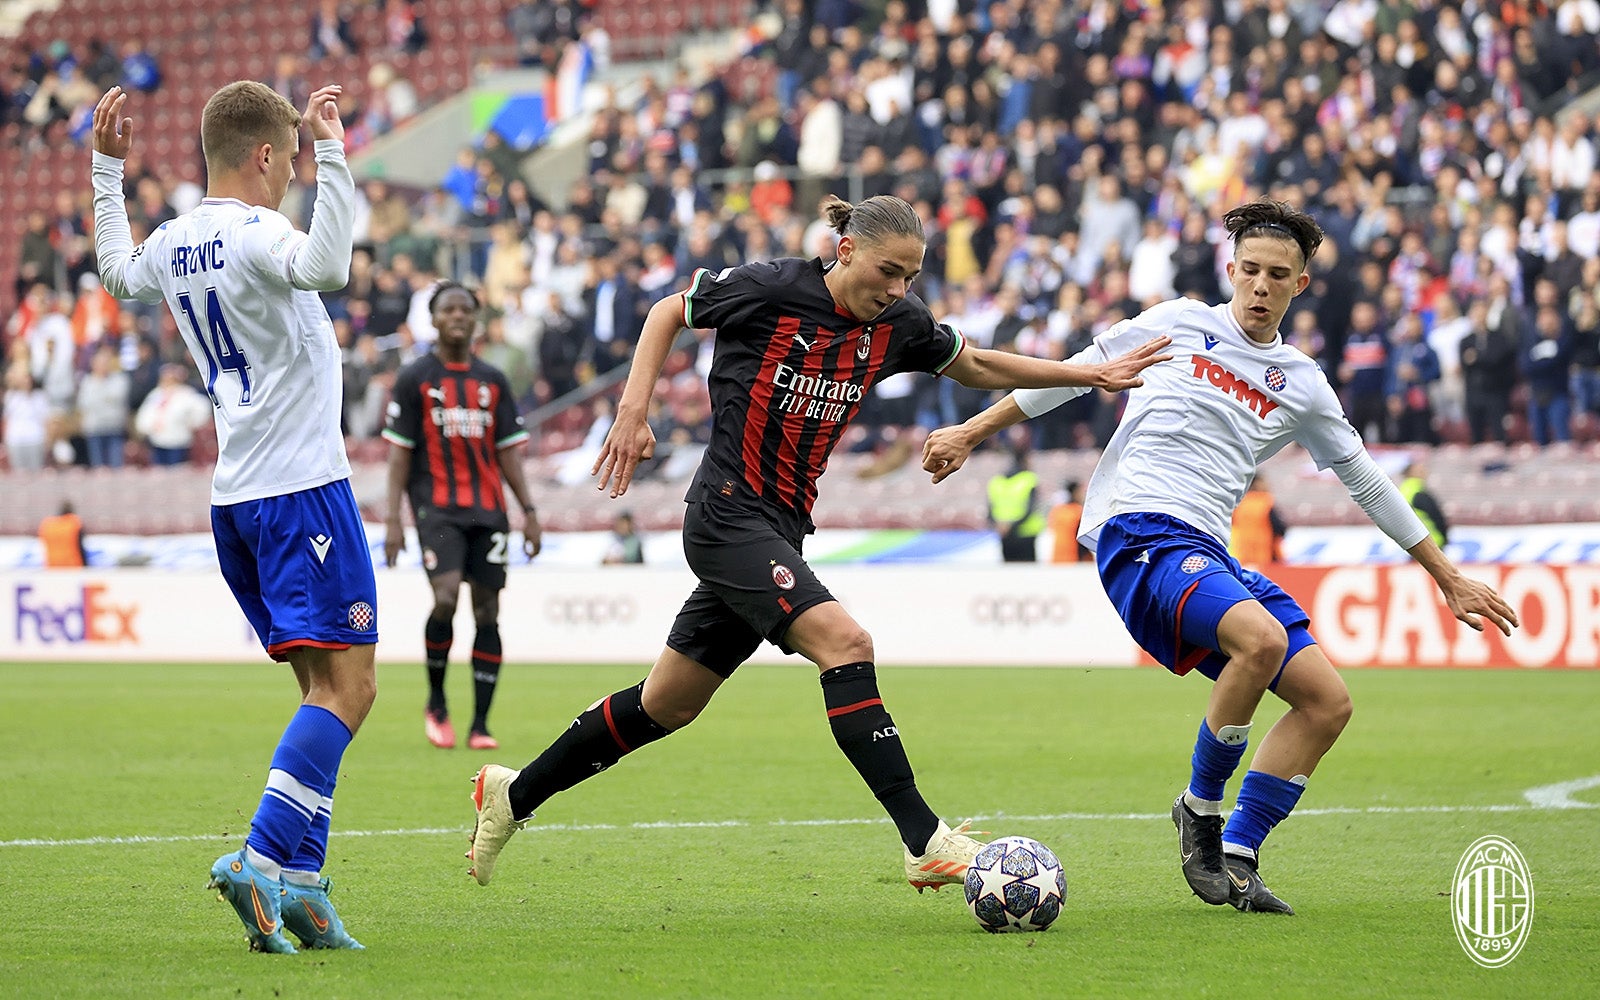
1546	797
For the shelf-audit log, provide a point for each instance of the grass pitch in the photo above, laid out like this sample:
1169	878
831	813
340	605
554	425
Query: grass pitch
744	858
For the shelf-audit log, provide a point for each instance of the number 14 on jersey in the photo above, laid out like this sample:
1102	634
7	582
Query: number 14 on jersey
221	353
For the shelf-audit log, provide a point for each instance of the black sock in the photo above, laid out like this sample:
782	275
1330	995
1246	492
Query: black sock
601	736
867	735
437	636
485	674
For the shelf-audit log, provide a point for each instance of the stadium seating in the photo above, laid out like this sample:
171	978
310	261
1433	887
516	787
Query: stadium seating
1481	484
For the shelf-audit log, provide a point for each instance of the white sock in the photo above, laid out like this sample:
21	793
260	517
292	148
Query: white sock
311	879
265	865
1201	807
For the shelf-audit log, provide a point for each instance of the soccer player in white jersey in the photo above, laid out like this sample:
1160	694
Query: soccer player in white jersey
242	284
1157	516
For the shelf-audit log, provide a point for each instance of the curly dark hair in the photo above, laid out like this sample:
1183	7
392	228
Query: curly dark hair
1276	220
445	286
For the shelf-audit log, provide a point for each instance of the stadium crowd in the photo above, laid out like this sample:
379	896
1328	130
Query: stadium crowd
1071	160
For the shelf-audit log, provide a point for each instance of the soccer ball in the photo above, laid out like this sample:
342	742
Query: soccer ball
1015	884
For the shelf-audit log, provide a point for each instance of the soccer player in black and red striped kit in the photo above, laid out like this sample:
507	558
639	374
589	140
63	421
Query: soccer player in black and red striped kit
454	429
799	343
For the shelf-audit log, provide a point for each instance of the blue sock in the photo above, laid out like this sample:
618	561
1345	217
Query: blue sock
313	849
1215	760
1264	800
304	770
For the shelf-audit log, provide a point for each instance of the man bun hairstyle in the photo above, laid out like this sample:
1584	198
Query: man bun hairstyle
1276	220
878	219
445	286
241	117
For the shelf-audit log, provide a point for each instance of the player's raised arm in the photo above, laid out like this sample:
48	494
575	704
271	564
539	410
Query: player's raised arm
322	263
113	237
985	369
630	438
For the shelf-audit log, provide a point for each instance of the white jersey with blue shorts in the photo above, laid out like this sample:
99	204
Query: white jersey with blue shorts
1158	509
242	285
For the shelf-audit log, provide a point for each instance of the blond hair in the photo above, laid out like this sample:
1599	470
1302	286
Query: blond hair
241	117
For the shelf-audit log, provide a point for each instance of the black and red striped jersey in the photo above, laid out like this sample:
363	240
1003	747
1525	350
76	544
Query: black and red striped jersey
455	419
788	374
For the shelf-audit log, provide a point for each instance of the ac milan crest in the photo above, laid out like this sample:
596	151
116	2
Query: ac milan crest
864	348
783	576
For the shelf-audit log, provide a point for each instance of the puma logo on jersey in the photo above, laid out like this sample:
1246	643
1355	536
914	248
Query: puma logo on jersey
320	545
436	393
805	345
1235	386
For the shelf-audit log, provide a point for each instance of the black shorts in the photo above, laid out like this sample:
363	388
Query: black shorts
456	545
753	584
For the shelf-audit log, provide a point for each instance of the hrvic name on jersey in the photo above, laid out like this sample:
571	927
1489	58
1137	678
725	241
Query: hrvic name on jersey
1244	392
197	259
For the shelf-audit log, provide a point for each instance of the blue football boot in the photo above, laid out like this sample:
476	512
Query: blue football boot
256	898
307	912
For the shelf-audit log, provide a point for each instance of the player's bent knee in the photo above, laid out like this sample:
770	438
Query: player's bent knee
1335	716
857	647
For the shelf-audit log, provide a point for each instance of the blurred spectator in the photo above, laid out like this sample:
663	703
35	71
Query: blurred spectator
331	34
1414	487
27	413
403	28
625	546
170	416
140	71
103	408
61	536
1546	365
1412	377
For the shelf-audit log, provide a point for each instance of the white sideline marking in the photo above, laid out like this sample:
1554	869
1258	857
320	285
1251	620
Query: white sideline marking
1559	796
1548	800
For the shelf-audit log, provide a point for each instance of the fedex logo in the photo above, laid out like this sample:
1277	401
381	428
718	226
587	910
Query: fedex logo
1238	388
91	618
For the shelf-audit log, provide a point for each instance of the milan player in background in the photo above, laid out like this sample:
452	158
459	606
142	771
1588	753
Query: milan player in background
454	428
1158	513
799	344
242	284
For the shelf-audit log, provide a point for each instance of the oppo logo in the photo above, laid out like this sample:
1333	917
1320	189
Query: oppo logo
1023	611
591	609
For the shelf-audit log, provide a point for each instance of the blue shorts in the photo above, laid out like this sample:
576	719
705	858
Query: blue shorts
1172	583
300	568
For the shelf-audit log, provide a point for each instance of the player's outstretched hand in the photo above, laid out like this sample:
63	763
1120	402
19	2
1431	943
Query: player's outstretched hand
945	451
113	134
394	542
629	440
1474	602
322	113
1123	372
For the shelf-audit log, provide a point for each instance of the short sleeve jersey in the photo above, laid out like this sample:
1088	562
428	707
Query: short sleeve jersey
454	419
1192	436
788	374
265	348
